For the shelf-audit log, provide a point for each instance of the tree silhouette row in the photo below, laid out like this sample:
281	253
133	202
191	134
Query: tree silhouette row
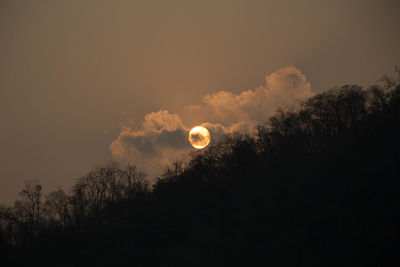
316	185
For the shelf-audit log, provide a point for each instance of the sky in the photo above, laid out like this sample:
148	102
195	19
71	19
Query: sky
83	82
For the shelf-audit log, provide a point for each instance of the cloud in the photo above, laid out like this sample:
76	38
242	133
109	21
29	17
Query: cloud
282	87
196	137
163	137
162	120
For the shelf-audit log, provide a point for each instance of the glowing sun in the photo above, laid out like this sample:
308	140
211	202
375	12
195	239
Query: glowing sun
199	137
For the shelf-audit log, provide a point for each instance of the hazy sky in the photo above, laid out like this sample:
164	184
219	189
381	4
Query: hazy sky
73	73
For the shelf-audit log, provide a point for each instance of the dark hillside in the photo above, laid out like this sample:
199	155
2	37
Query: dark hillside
316	185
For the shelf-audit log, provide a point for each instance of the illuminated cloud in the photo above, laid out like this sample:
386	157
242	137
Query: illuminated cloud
163	137
283	87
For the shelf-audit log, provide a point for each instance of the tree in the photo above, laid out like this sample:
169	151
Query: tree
134	181
57	207
29	207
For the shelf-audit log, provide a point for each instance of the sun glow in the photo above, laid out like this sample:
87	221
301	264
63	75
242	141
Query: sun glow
199	137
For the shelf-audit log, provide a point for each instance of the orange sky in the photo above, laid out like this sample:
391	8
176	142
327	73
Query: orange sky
72	71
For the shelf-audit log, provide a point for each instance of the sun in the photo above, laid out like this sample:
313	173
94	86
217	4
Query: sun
199	137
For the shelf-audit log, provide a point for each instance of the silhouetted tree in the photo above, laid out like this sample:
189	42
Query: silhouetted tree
315	185
57	208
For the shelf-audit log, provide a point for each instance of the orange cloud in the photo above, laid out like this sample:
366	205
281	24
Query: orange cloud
162	138
282	87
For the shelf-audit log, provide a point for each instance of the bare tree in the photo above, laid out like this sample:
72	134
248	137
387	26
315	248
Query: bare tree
30	206
134	181
57	207
95	190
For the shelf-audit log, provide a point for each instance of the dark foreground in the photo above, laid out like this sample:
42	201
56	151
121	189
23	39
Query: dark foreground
318	186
